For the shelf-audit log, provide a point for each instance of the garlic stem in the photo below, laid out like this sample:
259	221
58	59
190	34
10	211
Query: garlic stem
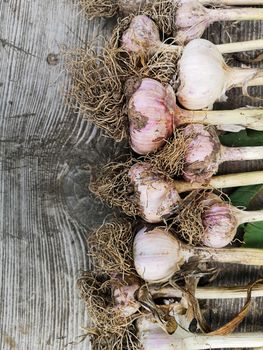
240	153
241	46
240	76
249	118
152	336
236	14
208	292
257	81
244	256
248	216
223	181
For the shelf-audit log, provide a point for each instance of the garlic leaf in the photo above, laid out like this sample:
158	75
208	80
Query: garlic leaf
243	138
253	236
253	232
243	196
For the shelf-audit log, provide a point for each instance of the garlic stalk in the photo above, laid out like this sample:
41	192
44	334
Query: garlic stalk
204	153
152	337
153	114
142	190
143	37
205	77
158	254
220	221
207	292
187	18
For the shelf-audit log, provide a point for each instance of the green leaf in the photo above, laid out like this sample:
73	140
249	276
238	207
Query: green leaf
253	236
243	196
253	232
243	138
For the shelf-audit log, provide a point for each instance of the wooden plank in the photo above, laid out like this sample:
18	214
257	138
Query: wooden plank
42	244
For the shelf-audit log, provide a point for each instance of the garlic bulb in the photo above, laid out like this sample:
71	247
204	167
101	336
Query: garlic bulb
201	157
156	193
153	115
221	220
204	153
205	77
142	36
150	112
158	254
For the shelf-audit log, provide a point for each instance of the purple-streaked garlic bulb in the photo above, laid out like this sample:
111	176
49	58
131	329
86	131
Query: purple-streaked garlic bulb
201	156
156	194
192	18
142	36
205	77
153	115
158	254
151	118
204	153
221	220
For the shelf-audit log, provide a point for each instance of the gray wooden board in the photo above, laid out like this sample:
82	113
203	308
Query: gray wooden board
45	208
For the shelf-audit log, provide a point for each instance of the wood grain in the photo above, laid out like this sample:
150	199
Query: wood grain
47	153
42	243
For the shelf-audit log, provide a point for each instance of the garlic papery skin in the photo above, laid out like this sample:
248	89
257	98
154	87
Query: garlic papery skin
157	194
201	159
219	222
157	254
153	337
205	77
151	118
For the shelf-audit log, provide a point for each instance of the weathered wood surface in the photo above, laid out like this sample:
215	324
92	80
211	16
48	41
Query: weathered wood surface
45	209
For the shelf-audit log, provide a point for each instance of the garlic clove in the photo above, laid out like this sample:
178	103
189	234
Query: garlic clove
156	254
141	35
150	113
219	221
158	196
